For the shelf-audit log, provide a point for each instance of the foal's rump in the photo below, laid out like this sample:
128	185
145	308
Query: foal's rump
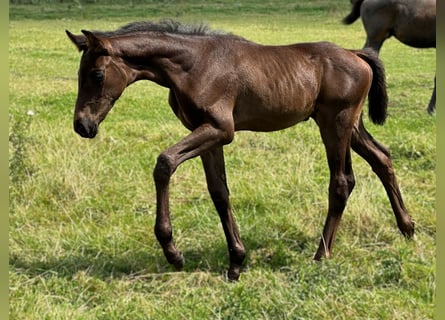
378	97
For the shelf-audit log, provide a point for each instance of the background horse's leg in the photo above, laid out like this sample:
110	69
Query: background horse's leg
213	162
378	25
201	140
336	138
380	160
432	104
374	44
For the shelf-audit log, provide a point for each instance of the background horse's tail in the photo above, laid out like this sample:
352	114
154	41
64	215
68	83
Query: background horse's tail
377	96
355	12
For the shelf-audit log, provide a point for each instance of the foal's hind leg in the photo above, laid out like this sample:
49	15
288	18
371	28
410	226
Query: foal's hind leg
336	138
380	160
213	162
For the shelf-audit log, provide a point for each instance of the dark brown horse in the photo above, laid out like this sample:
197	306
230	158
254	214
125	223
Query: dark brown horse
412	22
220	83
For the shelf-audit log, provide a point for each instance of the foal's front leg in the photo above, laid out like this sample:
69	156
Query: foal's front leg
214	167
202	139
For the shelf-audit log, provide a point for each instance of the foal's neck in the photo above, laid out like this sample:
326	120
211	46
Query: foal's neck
158	57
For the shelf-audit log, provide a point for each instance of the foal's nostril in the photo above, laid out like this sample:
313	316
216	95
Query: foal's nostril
85	128
79	128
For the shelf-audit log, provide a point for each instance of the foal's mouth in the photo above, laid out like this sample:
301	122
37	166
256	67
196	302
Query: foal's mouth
85	128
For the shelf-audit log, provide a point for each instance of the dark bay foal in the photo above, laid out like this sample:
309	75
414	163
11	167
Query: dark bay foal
220	83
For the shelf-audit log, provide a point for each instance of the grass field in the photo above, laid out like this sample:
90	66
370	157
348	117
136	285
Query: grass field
81	241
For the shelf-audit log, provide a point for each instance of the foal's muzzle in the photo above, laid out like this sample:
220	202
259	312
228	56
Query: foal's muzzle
85	128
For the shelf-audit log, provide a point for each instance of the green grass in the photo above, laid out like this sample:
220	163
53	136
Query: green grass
82	212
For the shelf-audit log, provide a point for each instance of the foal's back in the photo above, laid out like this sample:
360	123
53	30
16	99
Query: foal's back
279	86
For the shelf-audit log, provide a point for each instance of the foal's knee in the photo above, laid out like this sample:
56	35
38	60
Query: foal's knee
219	195
339	191
163	170
351	182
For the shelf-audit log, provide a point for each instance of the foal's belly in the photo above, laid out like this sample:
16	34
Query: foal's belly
255	118
278	101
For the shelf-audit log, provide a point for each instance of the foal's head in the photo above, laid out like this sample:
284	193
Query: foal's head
101	81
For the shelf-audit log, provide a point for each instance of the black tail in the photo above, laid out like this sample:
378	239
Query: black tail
377	96
355	12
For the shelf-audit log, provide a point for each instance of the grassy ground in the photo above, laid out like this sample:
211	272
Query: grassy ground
82	212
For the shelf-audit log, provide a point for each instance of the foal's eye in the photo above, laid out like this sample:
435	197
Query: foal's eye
97	75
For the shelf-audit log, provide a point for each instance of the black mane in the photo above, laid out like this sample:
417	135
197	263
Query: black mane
167	25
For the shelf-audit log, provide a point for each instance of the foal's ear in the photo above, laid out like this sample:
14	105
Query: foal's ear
98	45
80	41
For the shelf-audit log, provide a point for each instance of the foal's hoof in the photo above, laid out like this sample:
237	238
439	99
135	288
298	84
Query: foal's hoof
407	229
177	262
409	233
233	273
